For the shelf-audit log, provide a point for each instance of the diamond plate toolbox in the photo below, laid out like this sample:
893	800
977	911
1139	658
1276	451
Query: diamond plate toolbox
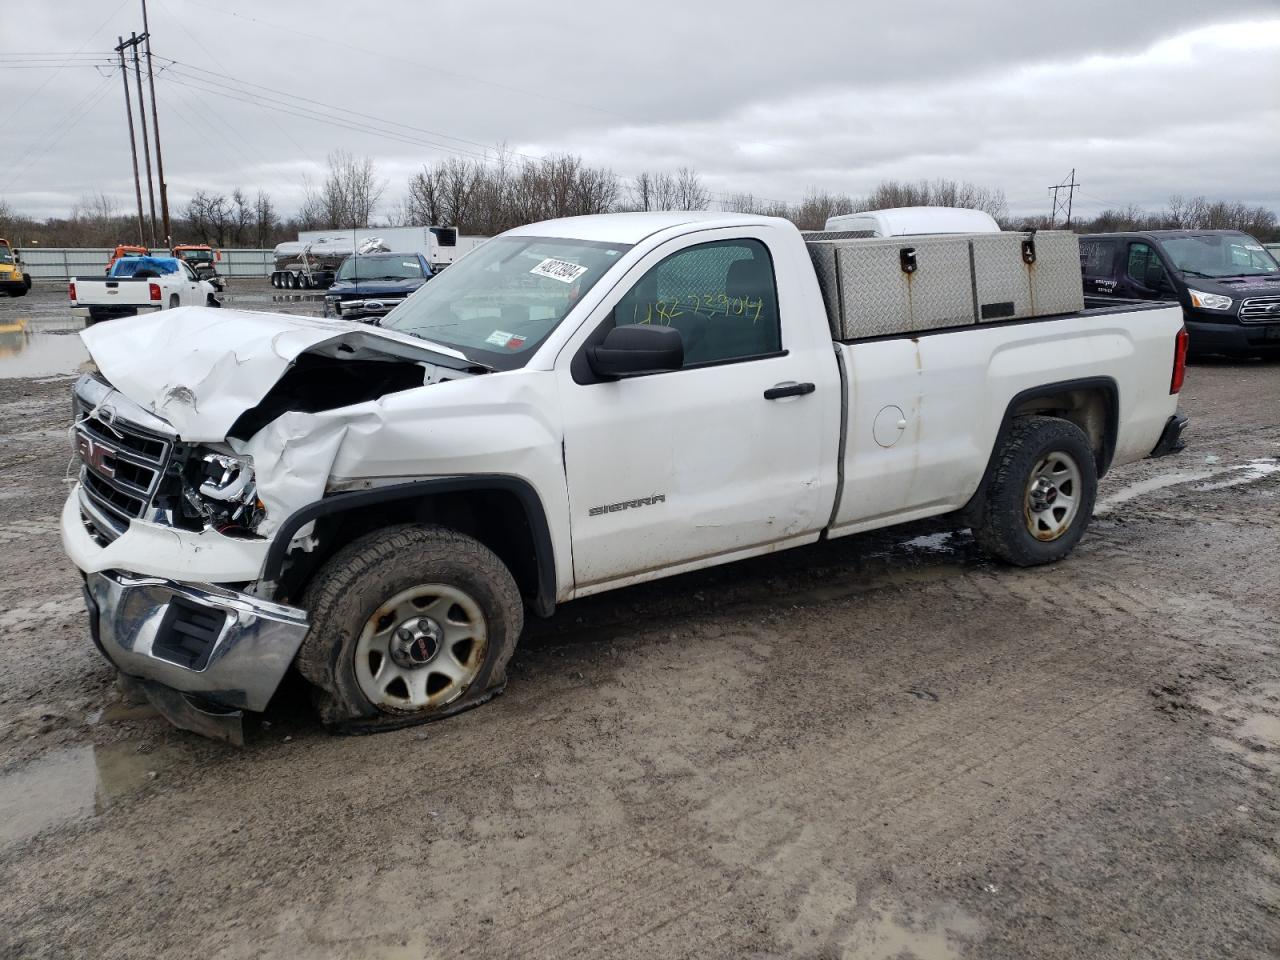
1007	287
956	280
868	292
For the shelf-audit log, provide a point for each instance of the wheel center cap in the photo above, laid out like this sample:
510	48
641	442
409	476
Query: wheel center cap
1043	494
416	642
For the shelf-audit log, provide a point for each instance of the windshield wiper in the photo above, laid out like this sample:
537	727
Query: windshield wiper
1207	276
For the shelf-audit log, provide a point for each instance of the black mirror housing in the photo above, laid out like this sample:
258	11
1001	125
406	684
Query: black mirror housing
636	348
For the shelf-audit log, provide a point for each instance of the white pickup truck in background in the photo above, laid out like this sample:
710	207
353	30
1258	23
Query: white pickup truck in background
137	285
577	406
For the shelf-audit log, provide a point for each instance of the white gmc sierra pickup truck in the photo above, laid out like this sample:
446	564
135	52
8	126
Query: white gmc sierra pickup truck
576	406
137	285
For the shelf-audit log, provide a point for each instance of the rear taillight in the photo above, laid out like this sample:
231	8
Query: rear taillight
71	291
155	291
1179	361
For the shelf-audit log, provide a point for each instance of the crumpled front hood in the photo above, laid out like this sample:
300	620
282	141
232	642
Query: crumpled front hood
201	367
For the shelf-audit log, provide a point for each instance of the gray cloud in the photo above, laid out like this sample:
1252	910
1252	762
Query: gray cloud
1144	101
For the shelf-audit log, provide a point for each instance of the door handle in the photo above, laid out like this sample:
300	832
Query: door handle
788	389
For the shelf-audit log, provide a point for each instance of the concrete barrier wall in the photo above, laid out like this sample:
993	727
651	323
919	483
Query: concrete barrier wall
62	263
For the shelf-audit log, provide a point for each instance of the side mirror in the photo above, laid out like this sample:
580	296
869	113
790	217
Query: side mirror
636	348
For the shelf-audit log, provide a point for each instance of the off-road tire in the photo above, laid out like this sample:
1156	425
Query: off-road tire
1000	526
356	581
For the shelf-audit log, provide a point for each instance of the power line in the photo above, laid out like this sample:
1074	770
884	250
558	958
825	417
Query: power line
331	106
295	105
434	68
69	121
89	39
351	126
67	118
196	40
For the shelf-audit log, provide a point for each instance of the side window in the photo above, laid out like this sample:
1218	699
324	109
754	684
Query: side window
1097	257
1144	265
720	296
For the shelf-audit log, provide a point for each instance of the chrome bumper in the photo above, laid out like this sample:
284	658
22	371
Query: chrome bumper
220	646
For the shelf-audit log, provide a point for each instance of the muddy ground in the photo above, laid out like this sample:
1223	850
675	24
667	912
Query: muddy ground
880	747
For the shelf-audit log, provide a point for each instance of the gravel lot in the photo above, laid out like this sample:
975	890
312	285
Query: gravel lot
879	747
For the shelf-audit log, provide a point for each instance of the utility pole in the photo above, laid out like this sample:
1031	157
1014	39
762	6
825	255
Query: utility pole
146	146
155	127
1070	186
133	143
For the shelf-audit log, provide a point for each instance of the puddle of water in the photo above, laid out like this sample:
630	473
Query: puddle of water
35	350
886	938
932	542
1250	472
1147	486
72	784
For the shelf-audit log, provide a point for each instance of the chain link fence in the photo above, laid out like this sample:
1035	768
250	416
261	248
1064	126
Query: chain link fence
63	263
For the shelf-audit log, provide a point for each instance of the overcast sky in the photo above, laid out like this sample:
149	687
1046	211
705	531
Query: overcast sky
1143	99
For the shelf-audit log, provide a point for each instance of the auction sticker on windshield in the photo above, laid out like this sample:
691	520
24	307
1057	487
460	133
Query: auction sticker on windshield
561	270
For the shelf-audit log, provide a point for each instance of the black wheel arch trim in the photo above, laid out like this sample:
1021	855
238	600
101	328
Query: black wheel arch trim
1109	389
544	602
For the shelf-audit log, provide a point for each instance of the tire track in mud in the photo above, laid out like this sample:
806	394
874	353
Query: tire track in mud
1102	598
944	761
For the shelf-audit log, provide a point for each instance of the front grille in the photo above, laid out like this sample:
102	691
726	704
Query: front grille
1260	310
121	466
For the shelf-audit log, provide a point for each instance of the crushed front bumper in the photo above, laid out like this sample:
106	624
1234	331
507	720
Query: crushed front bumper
200	652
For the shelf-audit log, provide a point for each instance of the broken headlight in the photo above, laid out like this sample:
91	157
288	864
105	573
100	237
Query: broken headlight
219	489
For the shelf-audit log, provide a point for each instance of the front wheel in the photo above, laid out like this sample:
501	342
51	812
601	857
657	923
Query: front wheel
1040	496
409	624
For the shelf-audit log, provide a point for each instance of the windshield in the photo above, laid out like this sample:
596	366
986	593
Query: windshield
398	266
132	266
6	255
501	300
196	254
1220	255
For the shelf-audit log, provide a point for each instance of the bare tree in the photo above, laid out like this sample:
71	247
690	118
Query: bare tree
264	219
240	218
818	206
690	194
209	218
347	197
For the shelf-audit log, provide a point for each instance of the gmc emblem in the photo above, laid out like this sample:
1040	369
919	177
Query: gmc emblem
94	455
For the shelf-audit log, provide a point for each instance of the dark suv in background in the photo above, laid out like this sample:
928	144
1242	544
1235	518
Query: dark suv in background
1227	282
369	286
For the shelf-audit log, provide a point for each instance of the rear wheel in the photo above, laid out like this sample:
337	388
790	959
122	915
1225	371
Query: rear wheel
174	301
409	624
1040	497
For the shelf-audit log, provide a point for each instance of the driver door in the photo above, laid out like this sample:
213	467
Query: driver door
667	470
